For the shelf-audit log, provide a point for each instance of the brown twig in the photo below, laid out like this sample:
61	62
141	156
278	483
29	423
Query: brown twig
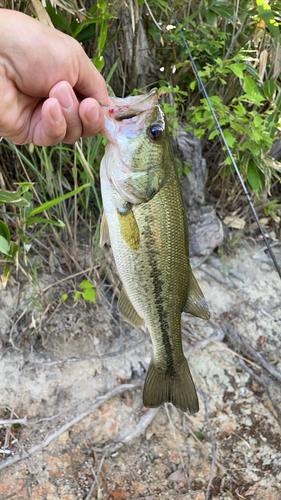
213	445
247	350
175	439
49	438
263	384
138	429
96	475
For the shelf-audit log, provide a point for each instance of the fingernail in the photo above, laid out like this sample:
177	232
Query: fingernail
92	114
56	113
64	97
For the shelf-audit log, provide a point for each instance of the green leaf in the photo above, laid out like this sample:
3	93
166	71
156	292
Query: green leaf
254	99
237	69
89	295
42	220
230	139
250	86
58	19
4	245
258	121
211	17
64	297
27	247
213	134
278	102
267	16
269	89
193	85
223	10
87	33
4	231
253	176
85	24
25	186
199	435
272	163
13	198
87	285
98	62
76	296
51	203
13	249
263	167
244	159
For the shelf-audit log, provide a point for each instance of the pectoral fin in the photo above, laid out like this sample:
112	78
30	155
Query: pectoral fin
104	231
196	303
126	308
129	228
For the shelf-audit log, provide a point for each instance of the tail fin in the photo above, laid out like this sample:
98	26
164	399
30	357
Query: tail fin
160	388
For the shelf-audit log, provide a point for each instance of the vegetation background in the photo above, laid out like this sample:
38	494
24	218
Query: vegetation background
236	46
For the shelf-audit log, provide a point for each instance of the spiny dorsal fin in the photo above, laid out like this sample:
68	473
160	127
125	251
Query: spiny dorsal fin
196	303
126	308
129	229
104	231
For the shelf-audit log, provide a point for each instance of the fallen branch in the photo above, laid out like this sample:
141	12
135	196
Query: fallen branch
175	439
96	475
138	429
261	382
235	339
49	438
213	446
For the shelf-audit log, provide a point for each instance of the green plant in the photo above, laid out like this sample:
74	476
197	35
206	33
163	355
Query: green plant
25	217
236	49
88	293
93	27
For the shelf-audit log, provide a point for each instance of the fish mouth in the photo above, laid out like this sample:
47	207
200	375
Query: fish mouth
130	107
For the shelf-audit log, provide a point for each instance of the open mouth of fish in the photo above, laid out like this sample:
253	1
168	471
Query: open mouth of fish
132	110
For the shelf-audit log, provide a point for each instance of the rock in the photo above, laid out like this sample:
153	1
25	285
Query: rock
187	148
205	230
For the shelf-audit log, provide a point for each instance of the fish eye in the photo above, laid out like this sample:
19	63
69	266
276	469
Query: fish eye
155	132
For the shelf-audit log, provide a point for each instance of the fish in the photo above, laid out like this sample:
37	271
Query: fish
145	222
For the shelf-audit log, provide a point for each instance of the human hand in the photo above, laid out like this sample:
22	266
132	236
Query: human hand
41	73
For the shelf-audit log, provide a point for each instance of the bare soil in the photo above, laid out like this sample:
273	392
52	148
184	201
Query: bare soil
70	443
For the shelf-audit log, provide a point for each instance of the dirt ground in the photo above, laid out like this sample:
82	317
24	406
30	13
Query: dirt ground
72	423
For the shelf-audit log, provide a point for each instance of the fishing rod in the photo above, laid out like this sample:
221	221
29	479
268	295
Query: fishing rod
225	143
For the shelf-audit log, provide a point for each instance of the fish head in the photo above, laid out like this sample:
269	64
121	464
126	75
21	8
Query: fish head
138	152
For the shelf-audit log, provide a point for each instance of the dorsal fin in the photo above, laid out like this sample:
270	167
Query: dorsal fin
196	303
104	231
126	308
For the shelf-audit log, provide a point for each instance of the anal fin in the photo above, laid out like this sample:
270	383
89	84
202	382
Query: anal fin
196	303
126	308
104	231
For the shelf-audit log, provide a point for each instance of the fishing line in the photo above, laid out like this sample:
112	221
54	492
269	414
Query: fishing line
225	143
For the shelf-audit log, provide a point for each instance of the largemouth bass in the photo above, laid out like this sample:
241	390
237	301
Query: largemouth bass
145	220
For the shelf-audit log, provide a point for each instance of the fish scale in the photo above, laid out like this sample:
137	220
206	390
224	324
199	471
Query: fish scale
149	240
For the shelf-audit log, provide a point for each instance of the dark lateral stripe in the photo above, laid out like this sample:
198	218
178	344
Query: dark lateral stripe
155	274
